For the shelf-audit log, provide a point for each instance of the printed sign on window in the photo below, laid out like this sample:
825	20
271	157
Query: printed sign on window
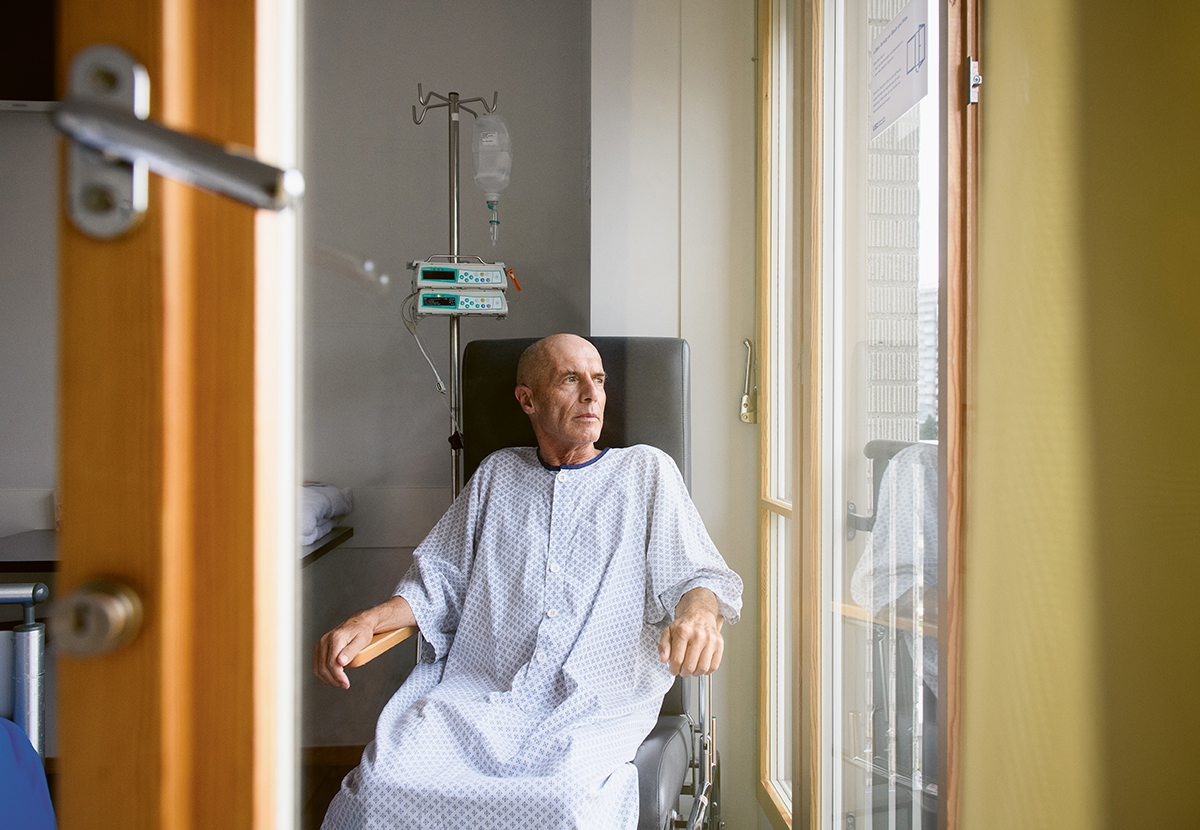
899	65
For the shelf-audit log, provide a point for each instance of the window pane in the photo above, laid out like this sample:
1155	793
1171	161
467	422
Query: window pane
780	361
880	551
781	700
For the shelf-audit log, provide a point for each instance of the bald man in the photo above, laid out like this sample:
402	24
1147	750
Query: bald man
556	598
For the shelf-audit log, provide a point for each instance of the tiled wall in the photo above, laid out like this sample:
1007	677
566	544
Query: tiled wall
893	235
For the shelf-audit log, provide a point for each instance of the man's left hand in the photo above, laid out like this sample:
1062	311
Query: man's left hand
693	644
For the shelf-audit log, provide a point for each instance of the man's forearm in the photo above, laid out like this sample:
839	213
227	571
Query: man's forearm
698	601
389	616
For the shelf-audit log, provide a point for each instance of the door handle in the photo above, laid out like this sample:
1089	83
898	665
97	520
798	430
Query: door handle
177	155
114	144
96	618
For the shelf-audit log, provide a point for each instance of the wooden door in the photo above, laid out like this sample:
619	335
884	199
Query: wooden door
167	456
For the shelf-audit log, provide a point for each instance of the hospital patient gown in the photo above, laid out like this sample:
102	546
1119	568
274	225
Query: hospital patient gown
541	595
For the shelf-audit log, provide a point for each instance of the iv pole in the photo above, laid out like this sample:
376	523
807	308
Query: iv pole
454	104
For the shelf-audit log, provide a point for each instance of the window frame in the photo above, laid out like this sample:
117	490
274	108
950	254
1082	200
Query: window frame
956	334
775	803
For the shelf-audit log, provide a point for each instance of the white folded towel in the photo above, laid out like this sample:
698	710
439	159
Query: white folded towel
320	506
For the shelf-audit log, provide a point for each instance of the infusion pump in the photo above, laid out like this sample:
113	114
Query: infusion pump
475	288
464	302
459	274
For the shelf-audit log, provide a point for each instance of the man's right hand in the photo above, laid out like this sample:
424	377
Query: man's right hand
335	650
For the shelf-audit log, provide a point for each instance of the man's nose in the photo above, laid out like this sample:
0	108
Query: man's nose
589	389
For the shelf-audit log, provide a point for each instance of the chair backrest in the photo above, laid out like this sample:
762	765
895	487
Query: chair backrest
648	401
647	388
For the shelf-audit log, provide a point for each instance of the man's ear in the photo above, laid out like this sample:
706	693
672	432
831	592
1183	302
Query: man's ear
525	398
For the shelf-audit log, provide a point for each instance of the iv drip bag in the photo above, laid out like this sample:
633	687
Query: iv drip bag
492	149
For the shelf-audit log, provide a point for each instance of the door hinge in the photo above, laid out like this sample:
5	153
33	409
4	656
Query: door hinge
974	79
107	197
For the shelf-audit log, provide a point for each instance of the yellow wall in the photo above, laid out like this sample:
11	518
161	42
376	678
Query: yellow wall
1082	674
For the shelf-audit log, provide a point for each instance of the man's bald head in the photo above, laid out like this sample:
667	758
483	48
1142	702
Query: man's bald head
560	386
541	358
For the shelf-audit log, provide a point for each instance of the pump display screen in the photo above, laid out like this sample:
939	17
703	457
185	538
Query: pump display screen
461	302
446	274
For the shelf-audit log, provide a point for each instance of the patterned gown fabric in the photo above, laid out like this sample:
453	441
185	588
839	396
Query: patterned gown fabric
903	548
541	595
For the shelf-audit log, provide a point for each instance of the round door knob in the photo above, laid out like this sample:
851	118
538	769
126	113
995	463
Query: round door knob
96	618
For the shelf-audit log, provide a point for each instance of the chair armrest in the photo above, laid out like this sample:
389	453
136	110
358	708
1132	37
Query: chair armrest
380	643
854	612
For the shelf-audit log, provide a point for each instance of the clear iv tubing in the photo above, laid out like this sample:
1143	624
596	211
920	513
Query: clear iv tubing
349	265
410	323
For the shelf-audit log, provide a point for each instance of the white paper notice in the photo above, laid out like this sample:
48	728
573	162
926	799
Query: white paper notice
899	65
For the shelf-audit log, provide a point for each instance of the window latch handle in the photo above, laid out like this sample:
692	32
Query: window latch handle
749	412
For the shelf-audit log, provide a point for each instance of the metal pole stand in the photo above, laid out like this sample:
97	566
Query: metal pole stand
29	670
454	104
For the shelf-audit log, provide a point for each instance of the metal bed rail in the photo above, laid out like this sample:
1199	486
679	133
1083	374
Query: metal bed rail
29	670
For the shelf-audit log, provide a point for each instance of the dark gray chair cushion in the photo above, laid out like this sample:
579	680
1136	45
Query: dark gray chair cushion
662	763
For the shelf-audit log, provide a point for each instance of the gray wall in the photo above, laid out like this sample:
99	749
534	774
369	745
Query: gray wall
377	189
673	254
28	315
29	344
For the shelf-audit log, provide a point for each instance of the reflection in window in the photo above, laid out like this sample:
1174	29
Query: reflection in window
895	581
883	551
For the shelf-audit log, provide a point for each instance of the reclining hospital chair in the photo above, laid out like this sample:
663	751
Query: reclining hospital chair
889	582
648	402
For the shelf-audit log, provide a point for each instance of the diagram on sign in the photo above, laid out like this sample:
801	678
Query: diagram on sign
916	50
899	68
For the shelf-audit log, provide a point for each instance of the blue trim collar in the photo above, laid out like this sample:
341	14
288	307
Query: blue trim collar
542	461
